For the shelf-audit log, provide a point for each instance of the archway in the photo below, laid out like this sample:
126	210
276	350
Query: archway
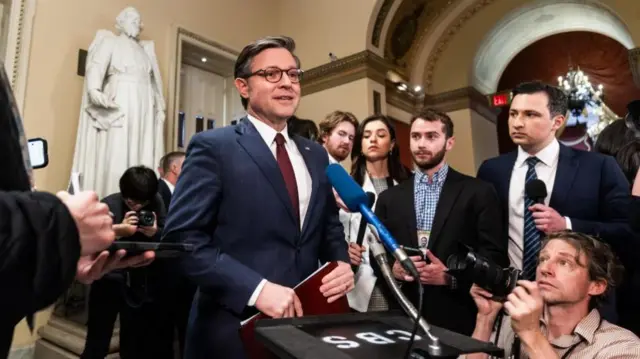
540	19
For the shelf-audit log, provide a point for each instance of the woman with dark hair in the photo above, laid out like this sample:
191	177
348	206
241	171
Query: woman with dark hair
376	167
375	153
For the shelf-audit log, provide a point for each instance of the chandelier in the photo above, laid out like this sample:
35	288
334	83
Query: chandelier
584	100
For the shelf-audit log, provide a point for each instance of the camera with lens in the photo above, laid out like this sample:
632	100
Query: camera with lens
145	218
489	276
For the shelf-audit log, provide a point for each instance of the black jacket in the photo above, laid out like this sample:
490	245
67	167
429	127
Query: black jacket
39	251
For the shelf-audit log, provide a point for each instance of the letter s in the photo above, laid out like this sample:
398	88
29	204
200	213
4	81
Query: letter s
341	342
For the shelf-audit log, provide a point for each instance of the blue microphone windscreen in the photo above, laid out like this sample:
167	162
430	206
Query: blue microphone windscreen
349	191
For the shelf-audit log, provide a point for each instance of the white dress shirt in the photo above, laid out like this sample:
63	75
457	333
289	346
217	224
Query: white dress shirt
171	187
546	172
303	177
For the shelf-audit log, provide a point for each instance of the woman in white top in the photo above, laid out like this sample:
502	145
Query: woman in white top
376	167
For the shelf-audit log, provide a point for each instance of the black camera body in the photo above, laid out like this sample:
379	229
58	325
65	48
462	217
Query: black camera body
491	277
145	218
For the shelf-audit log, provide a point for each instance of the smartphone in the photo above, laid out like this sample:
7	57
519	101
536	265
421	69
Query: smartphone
38	153
162	249
412	252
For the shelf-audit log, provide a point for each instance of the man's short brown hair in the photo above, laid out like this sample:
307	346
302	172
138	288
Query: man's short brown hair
602	264
332	120
432	115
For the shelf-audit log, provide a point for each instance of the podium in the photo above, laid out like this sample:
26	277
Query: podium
370	335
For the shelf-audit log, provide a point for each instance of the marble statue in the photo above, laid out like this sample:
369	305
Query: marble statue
123	110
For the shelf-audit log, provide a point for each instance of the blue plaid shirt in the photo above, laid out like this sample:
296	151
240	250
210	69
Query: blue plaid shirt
426	195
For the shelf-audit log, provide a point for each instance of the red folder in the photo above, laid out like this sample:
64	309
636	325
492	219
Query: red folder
313	303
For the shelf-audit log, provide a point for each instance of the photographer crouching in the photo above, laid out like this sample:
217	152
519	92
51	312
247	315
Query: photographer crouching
137	294
556	316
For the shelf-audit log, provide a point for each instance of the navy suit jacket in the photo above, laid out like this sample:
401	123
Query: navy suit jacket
589	188
232	204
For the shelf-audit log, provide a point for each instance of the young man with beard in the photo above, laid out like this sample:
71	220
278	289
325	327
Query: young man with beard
440	211
556	315
337	132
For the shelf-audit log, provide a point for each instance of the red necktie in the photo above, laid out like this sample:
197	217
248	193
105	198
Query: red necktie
287	173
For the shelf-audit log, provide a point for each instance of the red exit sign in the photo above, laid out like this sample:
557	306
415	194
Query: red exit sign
500	99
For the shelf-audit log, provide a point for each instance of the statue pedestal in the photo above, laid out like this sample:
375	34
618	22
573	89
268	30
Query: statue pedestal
64	339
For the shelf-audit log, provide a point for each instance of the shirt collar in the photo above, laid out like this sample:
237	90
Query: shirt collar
331	159
586	329
171	186
267	132
438	177
547	155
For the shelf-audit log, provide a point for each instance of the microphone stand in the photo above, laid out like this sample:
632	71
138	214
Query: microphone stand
379	254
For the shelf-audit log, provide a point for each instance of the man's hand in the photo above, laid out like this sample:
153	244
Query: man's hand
524	305
547	219
150	231
433	273
400	274
94	267
98	98
130	218
92	219
355	253
124	230
277	301
487	307
337	283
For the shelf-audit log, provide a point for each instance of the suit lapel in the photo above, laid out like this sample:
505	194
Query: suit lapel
567	168
448	196
504	176
407	196
314	173
261	154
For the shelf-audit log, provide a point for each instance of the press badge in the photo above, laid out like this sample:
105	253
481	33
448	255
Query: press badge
423	240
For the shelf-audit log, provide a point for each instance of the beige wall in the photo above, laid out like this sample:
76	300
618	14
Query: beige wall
323	26
398	113
485	139
476	140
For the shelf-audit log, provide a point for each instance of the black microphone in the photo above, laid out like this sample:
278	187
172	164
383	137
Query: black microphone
536	190
371	199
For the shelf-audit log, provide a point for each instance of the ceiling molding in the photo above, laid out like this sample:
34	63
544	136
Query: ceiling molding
463	98
377	27
459	99
364	64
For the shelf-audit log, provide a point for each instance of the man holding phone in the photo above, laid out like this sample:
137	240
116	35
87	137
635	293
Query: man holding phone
436	214
139	295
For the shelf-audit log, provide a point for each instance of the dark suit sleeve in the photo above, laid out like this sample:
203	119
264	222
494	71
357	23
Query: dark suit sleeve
192	219
634	216
483	172
492	243
161	216
39	250
615	201
334	247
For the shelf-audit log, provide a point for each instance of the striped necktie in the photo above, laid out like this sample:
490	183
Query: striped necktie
531	233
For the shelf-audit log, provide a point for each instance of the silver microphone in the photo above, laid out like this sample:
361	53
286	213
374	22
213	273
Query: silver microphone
380	255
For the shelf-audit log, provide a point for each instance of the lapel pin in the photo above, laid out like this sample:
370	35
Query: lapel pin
307	148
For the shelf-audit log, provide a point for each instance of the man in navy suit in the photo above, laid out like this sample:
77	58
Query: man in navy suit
257	206
586	191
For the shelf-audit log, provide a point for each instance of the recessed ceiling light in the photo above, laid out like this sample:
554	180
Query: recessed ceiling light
204	59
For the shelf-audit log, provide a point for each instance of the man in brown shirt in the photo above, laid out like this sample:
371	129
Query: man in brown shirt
555	316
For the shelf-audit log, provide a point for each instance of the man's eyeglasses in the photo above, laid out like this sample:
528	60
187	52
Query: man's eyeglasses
274	74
